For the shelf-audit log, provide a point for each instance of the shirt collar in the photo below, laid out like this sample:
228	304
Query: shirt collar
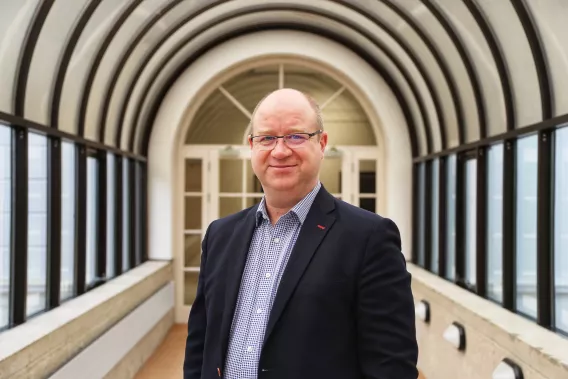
301	209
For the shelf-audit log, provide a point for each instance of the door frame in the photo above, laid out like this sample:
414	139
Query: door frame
210	155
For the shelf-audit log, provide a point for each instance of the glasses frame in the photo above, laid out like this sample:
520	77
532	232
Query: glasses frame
310	135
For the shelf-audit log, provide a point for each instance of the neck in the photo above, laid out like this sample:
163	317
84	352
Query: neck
278	203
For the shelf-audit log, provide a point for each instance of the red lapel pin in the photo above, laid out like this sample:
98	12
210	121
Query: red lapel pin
321	227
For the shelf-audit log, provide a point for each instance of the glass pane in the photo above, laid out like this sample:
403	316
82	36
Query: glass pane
368	204
367	176
382	12
193	212
15	17
92	205
54	34
561	229
190	286
218	121
67	220
253	201
434	213
111	214
192	250
126	264
37	223
550	18
330	174
495	223
451	196
231	175
252	85
150	39
526	223
421	214
470	221
229	205
101	21
450	56
193	175
346	121
518	57
253	184
476	44
5	219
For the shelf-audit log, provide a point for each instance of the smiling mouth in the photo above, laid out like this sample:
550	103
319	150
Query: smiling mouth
282	166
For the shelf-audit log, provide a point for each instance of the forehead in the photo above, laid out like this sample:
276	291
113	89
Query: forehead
283	119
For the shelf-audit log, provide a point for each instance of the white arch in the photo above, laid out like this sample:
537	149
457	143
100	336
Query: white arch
165	189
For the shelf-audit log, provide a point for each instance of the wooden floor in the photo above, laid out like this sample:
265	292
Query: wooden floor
166	363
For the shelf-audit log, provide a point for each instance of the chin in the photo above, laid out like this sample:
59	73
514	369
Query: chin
283	184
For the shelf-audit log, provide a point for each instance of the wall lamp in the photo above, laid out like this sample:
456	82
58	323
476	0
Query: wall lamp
455	334
422	310
507	369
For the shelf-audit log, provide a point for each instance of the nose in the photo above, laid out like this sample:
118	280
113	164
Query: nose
281	150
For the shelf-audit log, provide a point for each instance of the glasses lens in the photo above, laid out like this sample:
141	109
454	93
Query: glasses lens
296	139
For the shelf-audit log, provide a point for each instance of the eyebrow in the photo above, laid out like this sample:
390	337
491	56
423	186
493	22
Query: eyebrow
267	132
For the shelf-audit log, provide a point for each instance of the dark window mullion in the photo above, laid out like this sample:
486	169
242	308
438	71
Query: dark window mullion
101	210
118	214
415	212
80	220
481	235
131	233
460	220
545	227
509	196
144	210
427	221
54	224
19	230
442	219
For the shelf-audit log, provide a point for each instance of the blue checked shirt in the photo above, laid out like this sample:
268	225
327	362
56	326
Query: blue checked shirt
267	257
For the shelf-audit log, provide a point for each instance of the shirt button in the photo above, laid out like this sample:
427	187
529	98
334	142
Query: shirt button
276	240
267	275
249	349
259	310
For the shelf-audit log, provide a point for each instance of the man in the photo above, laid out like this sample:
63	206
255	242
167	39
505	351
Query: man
302	285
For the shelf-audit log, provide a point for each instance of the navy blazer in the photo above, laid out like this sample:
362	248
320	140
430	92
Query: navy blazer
344	308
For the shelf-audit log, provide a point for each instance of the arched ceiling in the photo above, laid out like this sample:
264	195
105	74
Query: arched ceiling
461	70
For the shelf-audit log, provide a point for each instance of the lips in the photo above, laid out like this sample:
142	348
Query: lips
282	166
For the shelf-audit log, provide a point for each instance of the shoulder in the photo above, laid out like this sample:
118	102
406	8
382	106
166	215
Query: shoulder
363	219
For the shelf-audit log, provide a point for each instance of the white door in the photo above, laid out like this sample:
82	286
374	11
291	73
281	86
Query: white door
219	181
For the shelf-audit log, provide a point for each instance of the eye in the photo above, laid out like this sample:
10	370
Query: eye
266	138
297	136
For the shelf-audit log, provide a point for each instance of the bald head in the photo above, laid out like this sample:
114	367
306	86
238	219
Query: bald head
286	100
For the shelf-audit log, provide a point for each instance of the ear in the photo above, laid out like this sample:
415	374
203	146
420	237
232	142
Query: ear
323	142
250	140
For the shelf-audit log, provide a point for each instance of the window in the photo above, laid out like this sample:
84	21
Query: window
470	222
138	210
37	223
421	214
561	229
92	205
495	222
526	224
435	209
67	220
451	196
5	220
111	215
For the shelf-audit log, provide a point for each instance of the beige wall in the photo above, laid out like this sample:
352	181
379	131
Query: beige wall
492	334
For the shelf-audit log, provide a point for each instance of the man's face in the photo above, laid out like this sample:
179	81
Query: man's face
285	167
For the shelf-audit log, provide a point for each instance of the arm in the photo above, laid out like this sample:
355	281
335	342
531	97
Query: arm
197	324
385	315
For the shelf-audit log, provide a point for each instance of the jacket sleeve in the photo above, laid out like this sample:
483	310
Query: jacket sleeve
385	309
197	323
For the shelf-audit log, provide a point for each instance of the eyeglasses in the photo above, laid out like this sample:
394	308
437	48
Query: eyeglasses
293	141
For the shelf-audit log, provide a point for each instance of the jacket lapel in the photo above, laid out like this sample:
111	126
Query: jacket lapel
237	251
318	222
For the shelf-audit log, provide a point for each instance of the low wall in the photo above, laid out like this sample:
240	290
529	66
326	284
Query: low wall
52	343
491	334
